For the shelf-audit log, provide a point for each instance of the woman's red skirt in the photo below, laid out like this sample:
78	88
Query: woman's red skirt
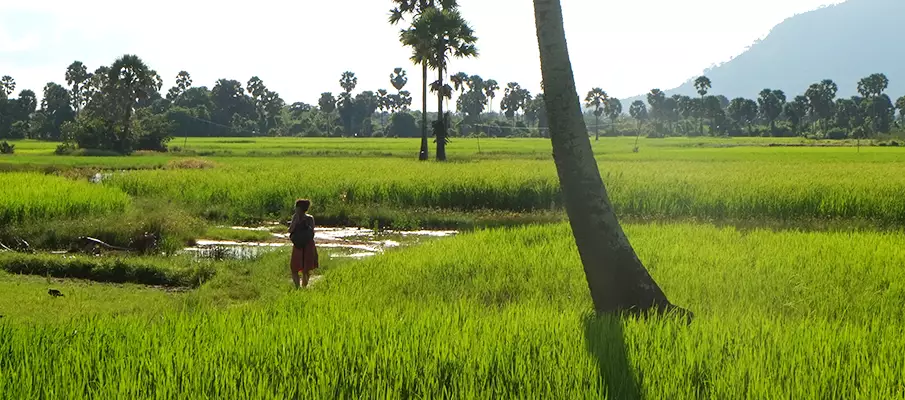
304	260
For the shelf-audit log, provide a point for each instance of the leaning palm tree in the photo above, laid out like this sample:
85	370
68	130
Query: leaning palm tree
420	53
446	34
616	278
597	100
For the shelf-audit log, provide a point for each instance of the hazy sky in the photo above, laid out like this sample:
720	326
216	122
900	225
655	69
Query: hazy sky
300	48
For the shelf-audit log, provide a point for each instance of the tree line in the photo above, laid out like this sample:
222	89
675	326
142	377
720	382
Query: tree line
816	113
120	107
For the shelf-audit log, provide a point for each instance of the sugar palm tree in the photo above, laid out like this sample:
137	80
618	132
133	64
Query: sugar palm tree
131	81
398	79
490	88
422	53
613	109
703	85
420	50
447	34
76	76
616	277
460	83
7	85
597	100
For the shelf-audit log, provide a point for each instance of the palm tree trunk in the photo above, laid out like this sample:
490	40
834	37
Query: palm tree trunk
423	156
616	278
440	129
596	128
702	115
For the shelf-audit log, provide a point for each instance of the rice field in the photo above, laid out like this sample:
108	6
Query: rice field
503	314
31	196
782	312
779	190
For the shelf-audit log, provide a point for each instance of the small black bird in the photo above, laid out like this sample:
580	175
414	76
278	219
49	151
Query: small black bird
54	293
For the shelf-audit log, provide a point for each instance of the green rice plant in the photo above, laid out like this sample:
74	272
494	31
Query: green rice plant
32	197
172	227
505	314
182	271
711	190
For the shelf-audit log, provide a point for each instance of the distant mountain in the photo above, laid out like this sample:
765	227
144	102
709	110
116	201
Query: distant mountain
844	42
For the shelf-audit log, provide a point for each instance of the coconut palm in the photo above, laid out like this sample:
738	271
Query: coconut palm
616	277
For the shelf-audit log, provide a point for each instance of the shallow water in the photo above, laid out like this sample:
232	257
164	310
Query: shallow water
337	242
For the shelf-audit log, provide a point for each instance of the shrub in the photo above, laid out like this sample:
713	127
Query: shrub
836	134
153	131
403	125
6	148
65	148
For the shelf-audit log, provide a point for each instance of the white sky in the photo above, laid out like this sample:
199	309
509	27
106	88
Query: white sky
300	48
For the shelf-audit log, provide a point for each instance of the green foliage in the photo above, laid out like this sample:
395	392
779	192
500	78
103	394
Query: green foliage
6	148
144	270
514	99
33	197
172	227
502	313
153	131
403	125
663	182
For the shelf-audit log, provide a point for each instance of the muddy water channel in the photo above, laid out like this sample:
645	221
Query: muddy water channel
333	242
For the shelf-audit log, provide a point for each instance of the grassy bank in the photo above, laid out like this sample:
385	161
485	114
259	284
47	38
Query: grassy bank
503	313
182	271
171	227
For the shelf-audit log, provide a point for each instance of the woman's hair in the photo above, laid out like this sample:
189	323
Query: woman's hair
304	204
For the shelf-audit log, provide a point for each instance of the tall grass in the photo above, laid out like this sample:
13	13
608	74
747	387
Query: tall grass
784	190
31	197
182	271
504	313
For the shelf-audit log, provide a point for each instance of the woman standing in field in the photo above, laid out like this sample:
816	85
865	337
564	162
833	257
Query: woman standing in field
304	253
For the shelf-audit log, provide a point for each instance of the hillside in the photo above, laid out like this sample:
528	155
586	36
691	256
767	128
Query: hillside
845	42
